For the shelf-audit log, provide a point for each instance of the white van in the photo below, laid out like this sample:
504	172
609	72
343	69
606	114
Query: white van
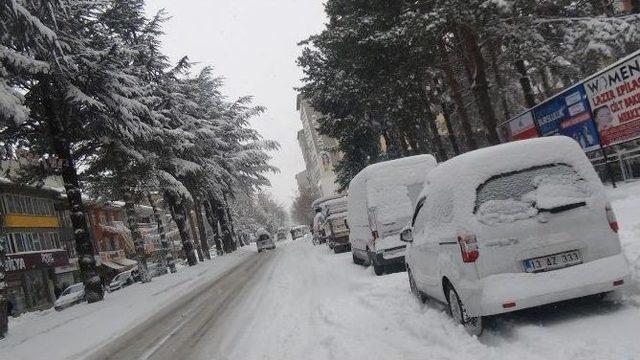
511	227
380	204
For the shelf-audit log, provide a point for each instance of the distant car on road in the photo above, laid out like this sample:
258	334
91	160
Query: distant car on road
72	295
299	231
511	227
122	280
381	201
265	241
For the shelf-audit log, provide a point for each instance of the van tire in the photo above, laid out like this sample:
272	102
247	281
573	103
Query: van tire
472	325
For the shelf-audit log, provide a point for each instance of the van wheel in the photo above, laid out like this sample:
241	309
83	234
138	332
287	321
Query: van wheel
414	288
473	325
356	260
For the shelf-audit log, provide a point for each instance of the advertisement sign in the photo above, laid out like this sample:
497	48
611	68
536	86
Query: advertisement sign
569	114
519	128
31	261
614	97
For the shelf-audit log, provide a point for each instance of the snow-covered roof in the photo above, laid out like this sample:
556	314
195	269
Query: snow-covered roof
392	187
262	232
323	199
340	215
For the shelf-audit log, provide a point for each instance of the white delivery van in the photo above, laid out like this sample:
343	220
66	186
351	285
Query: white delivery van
511	227
380	203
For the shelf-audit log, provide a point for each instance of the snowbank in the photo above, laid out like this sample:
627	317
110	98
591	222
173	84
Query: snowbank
626	205
71	332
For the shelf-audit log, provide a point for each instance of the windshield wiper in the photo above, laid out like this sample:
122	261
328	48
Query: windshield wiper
562	208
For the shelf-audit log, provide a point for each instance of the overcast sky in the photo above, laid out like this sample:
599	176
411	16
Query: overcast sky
252	43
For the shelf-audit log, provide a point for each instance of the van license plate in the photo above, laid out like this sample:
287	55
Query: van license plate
552	262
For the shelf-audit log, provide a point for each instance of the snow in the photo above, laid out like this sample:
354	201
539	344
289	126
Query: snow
330	308
64	334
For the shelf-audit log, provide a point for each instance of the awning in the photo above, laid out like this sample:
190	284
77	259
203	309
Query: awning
126	262
112	265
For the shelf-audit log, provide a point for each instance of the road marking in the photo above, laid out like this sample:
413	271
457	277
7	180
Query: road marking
155	348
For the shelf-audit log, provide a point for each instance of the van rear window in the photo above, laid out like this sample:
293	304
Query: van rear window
522	194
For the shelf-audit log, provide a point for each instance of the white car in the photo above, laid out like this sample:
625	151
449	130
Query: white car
511	227
265	241
72	295
381	201
121	280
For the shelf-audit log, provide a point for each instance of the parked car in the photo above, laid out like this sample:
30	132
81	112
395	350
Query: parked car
511	227
156	269
282	234
299	231
265	241
334	224
380	204
122	280
72	295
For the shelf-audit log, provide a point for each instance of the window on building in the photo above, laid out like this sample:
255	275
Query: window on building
103	218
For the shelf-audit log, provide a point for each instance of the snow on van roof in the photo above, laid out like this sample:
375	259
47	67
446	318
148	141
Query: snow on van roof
392	187
460	176
384	167
323	199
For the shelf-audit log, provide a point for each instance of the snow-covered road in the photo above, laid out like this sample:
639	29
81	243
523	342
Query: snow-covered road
303	302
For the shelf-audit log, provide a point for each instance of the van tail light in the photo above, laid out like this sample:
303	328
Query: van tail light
468	248
611	217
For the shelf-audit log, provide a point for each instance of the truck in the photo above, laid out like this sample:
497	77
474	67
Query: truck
334	224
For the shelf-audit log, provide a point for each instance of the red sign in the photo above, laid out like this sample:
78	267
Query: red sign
38	260
614	96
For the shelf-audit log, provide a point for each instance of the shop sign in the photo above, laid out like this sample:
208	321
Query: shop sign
614	96
32	261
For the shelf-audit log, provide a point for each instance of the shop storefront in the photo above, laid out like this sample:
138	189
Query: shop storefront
31	279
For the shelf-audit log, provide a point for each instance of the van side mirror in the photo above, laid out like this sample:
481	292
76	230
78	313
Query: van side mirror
346	224
406	234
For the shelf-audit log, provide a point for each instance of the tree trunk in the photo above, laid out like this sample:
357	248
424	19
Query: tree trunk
4	316
167	260
179	215
499	80
203	233
213	222
454	88
196	238
430	118
525	83
229	218
138	241
84	246
446	113
227	241
480	86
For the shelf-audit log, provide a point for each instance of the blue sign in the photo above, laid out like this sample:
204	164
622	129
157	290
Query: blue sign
569	114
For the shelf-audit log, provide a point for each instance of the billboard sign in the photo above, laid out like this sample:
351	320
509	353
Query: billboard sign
519	128
569	114
614	96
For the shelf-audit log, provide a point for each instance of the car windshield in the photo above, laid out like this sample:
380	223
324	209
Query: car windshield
121	277
264	237
522	194
73	289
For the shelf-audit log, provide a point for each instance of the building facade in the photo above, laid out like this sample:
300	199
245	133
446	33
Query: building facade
319	151
39	245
